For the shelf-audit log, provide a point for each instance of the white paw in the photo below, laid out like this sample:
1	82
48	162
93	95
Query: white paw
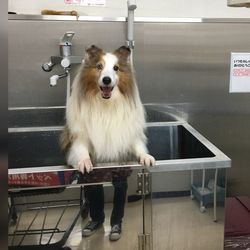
147	160
85	165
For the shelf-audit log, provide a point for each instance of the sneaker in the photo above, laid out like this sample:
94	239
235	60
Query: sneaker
90	228
115	233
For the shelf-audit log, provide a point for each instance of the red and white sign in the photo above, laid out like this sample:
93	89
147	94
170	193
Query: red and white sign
240	73
86	2
77	2
39	179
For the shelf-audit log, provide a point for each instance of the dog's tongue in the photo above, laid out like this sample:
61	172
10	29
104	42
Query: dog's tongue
106	92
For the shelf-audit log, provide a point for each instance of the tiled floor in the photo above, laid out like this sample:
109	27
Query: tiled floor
177	225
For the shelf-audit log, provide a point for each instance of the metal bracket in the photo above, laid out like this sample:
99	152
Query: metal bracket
73	59
144	242
143	181
130	44
67	38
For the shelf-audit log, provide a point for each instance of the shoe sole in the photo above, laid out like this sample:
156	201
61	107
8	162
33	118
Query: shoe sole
114	237
89	232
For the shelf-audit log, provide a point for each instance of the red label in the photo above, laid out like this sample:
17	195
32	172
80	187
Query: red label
241	72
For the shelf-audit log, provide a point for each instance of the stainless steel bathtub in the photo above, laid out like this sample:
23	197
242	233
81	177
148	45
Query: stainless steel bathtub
33	143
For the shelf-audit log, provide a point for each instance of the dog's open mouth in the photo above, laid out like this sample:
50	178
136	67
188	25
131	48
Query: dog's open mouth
106	92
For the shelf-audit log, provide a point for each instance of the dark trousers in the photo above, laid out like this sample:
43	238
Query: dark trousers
95	196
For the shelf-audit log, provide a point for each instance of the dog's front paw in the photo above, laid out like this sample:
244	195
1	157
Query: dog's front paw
147	160
85	164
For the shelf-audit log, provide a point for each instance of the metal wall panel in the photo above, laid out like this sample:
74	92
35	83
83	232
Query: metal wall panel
183	65
31	43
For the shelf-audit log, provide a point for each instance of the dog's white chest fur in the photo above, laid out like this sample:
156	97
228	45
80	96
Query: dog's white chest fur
112	128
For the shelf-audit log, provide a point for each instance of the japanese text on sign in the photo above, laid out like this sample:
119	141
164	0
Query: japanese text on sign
240	73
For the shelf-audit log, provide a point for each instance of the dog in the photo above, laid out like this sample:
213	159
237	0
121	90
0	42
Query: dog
105	119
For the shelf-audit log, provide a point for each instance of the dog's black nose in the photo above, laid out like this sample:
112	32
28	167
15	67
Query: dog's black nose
106	80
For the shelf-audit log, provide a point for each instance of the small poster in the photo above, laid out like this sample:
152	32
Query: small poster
86	2
77	2
240	73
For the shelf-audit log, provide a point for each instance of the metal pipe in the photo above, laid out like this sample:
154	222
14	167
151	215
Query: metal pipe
68	88
215	194
130	23
192	182
202	208
130	30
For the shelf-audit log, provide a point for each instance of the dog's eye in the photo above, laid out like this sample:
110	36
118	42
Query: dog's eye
99	66
116	68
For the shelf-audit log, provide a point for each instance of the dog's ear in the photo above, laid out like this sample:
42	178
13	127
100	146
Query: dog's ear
123	53
93	54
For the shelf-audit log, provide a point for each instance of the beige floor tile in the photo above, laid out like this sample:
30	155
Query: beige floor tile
179	225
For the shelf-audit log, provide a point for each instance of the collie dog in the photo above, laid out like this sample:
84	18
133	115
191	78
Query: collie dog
105	119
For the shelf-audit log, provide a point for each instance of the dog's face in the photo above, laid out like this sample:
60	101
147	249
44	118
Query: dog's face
105	72
108	77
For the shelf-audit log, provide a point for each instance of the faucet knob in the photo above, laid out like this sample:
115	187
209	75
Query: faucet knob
65	62
47	66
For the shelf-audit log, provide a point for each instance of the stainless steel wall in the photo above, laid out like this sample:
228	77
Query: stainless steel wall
183	65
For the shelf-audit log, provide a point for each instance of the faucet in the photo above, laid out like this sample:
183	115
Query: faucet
130	23
65	59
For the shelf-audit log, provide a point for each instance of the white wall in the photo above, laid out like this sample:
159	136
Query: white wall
153	8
